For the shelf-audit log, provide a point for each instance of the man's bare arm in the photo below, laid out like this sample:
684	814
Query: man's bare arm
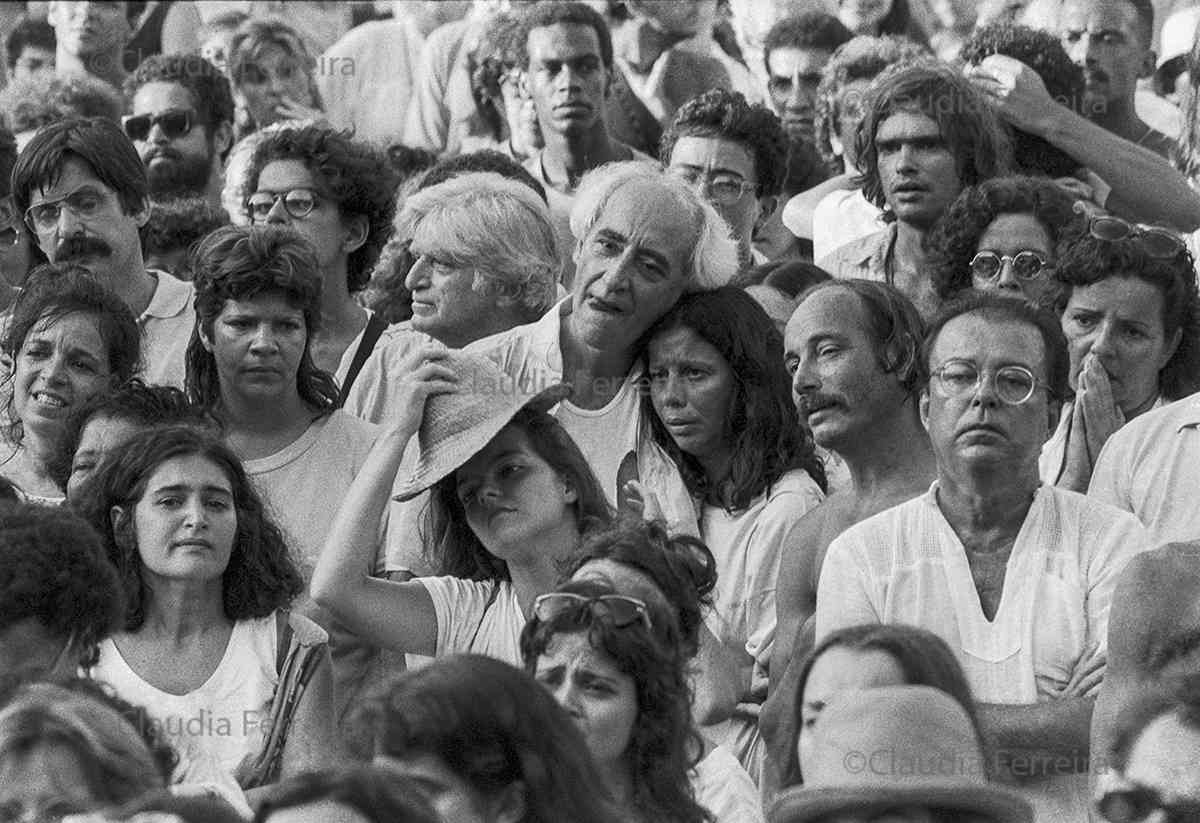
1041	739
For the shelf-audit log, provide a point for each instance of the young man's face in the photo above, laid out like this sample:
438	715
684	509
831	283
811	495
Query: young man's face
567	77
1103	38
176	163
917	170
86	29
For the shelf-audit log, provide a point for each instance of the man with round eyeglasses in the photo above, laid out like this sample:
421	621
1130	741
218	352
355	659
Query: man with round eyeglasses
735	154
1015	576
181	123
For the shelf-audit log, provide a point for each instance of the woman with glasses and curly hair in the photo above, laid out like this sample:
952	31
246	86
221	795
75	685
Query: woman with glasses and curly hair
720	405
240	686
1131	314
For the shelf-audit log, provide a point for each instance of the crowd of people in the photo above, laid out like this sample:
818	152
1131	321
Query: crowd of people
700	411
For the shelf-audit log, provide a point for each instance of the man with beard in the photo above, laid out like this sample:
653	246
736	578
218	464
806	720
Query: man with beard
82	190
181	125
852	348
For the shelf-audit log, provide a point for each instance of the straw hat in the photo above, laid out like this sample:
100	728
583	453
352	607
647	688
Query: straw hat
455	427
897	746
1178	35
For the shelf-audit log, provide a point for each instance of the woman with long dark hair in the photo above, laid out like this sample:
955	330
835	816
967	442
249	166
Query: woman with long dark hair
207	644
721	407
510	496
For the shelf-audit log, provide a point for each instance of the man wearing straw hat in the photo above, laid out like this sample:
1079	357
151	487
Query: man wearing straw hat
900	754
643	239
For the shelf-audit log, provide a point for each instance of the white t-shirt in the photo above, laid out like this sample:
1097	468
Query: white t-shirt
906	565
167	325
305	482
476	616
726	789
1151	467
217	726
840	217
374	388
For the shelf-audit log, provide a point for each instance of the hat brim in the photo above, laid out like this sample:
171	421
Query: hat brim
472	441
801	804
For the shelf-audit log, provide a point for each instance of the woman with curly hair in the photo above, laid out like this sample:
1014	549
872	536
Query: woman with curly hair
720	404
486	743
249	363
510	495
609	660
1005	233
1131	315
68	339
208	580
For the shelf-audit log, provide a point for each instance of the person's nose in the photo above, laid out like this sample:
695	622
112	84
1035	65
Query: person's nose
567	696
1007	279
674	394
69	222
418	275
805	379
1104	344
195	515
985	391
263	341
568	78
796	99
278	212
54	373
157	135
616	276
906	158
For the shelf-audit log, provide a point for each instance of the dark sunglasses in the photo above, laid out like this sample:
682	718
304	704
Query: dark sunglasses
1157	241
1137	803
298	203
622	611
173	122
1027	265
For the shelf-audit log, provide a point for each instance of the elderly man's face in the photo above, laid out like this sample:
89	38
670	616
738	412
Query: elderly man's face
983	425
1102	38
1160	770
632	266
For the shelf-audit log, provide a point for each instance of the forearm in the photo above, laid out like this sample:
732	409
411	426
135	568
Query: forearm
1145	187
1040	739
348	557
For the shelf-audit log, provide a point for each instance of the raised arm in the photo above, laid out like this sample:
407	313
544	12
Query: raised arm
1145	187
397	616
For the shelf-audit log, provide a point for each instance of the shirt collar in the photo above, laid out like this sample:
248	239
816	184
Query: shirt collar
171	296
1191	412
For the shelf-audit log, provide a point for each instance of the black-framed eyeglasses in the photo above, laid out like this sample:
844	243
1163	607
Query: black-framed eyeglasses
86	203
173	122
621	610
725	189
1157	241
1014	385
1027	265
1131	805
298	203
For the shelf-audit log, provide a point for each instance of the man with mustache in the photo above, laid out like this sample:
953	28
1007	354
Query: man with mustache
1015	576
852	347
82	190
569	74
181	125
925	135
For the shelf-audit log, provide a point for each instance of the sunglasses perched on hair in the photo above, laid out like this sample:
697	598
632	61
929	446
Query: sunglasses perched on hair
173	122
1139	802
1157	241
620	610
1014	385
298	203
1027	265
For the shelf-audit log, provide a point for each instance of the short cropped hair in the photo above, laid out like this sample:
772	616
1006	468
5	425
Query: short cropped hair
99	143
177	222
53	568
1089	260
862	58
209	88
49	98
487	160
1044	53
727	115
239	263
954	239
812	29
714	258
894	325
29	31
967	122
998	308
557	12
1178	698
354	173
495	226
